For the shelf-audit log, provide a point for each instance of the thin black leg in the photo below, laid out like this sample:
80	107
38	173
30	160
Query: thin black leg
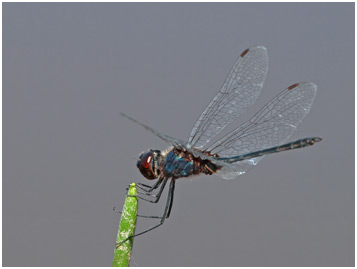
141	216
164	216
144	185
149	192
172	189
146	194
157	196
150	188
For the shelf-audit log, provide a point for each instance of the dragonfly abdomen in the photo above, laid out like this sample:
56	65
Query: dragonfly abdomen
301	143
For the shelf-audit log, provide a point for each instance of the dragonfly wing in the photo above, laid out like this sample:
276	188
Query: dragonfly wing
231	171
240	90
272	126
171	140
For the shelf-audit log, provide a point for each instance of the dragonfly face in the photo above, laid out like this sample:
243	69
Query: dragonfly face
149	164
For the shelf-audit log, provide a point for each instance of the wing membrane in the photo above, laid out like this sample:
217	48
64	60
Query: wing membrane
240	90
170	140
272	126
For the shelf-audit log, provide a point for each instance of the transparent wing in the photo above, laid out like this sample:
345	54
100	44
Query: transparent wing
272	126
240	90
171	140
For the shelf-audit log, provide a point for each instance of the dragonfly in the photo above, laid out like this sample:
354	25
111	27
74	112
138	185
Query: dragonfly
234	154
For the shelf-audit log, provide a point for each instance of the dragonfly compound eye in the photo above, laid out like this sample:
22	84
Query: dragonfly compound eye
145	165
146	160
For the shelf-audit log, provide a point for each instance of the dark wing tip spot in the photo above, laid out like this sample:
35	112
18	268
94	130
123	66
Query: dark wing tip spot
293	86
244	53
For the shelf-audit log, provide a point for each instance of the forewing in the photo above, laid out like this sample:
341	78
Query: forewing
240	90
272	126
171	140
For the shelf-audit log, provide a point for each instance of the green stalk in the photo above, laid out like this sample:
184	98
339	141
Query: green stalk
126	228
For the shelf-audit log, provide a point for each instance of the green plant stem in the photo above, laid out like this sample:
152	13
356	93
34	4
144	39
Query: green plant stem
127	226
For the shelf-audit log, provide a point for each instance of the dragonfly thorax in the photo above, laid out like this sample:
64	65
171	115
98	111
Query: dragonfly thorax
179	163
149	164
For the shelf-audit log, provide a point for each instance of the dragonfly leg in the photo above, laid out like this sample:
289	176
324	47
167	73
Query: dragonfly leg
150	188
141	216
157	196
148	192
166	214
172	190
143	187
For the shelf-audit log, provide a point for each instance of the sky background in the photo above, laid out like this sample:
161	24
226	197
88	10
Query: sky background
68	156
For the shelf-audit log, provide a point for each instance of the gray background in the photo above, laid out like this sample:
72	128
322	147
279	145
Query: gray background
69	69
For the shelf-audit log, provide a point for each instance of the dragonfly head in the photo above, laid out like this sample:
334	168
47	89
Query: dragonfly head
149	164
